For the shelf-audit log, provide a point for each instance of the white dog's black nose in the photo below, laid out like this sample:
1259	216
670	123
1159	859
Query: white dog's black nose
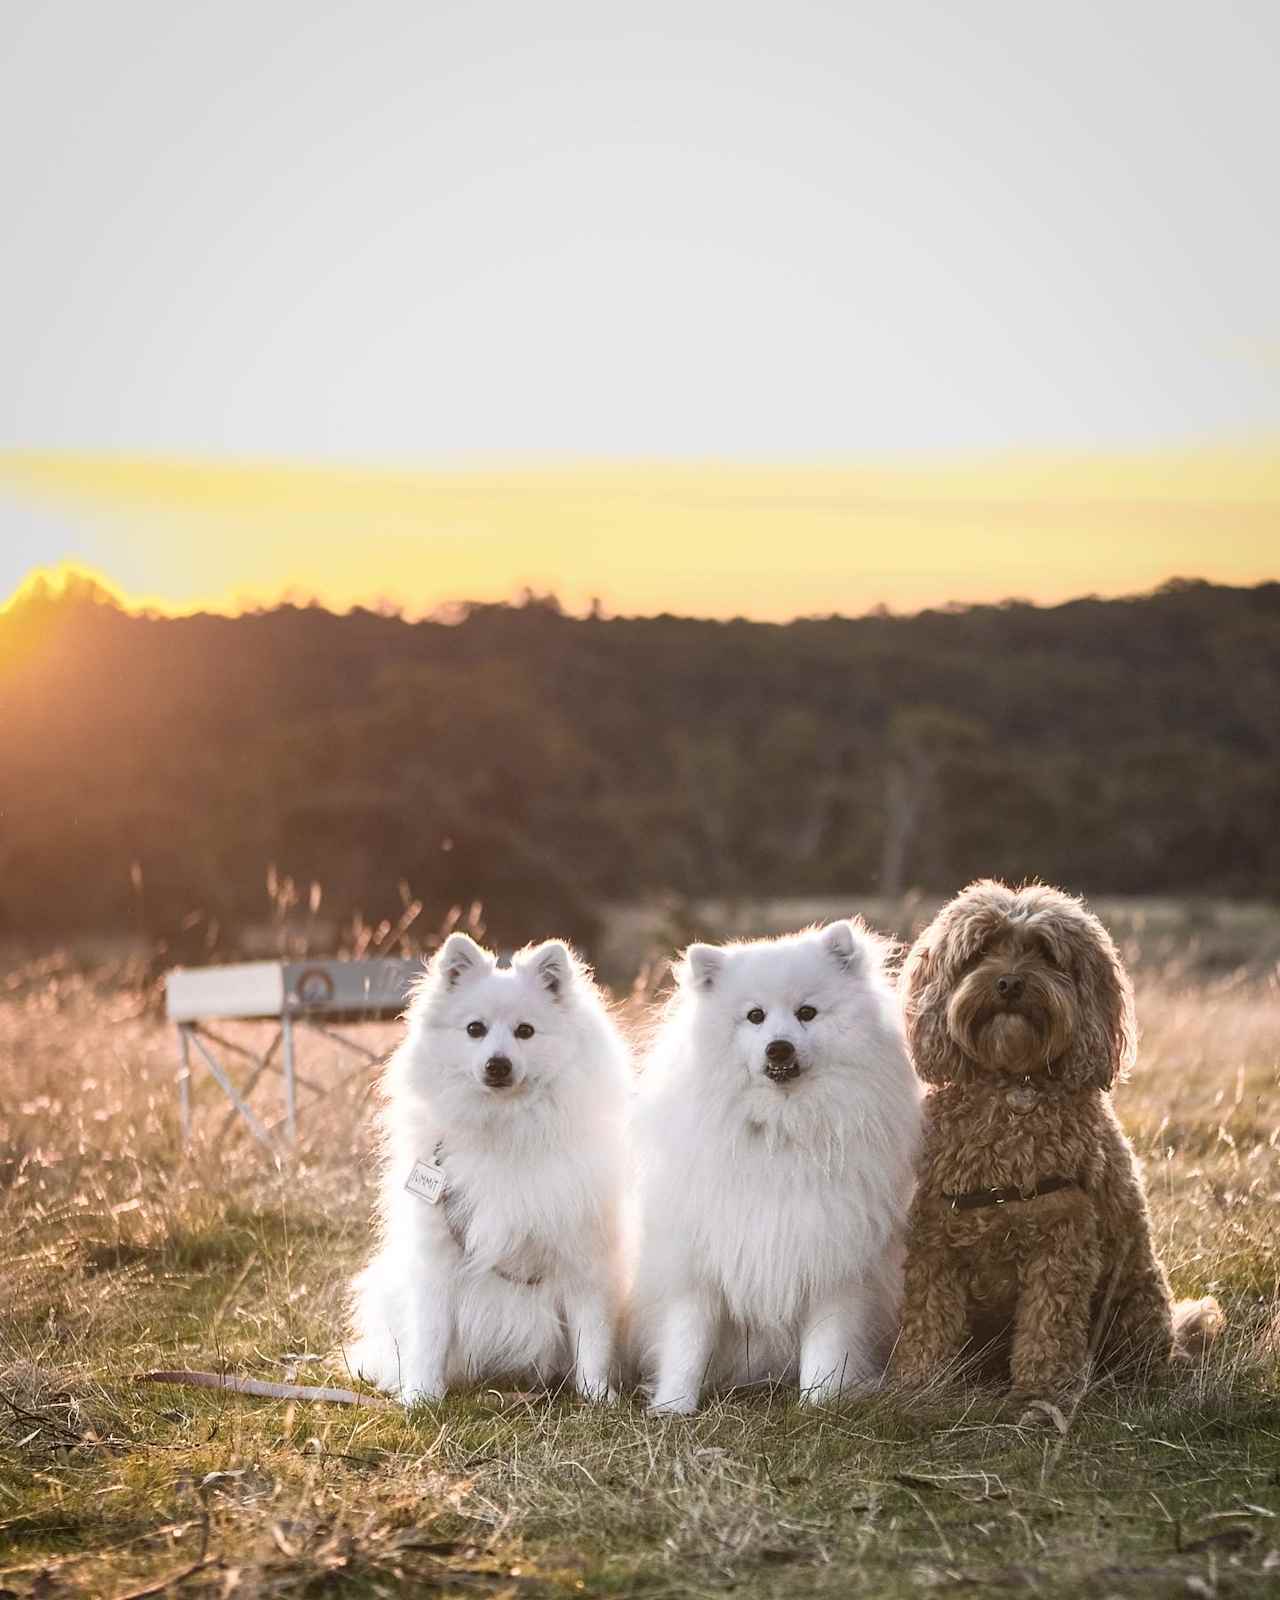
780	1059
497	1072
1010	986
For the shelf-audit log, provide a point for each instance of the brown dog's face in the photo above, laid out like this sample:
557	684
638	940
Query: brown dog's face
1011	1008
1015	981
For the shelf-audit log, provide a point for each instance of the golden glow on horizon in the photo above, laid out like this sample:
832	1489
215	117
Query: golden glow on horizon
57	579
703	538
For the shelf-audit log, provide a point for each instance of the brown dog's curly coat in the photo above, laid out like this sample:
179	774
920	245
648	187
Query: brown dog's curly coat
1019	1013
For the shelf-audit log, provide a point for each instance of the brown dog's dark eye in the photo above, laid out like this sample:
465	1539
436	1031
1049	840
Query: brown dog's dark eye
476	1030
523	1030
806	1013
755	1015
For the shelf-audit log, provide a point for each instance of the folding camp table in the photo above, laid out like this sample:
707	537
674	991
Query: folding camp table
313	994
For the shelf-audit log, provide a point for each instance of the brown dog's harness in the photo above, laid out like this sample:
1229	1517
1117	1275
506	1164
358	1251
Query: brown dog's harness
976	1198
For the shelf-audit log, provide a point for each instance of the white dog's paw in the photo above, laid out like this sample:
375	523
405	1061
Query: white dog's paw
831	1391
422	1391
373	1361
599	1391
679	1405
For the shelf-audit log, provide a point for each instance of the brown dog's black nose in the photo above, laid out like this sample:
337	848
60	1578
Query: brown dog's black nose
1010	986
497	1072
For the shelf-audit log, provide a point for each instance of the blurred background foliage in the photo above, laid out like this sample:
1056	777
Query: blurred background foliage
155	770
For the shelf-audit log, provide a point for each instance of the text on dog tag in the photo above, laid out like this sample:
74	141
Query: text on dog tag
427	1181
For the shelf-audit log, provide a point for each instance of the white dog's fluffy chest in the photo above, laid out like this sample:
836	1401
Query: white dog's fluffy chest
773	1228
525	1214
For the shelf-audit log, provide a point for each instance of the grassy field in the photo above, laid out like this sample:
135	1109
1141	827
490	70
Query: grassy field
121	1255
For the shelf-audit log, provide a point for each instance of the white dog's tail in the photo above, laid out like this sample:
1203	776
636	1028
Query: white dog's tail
1196	1324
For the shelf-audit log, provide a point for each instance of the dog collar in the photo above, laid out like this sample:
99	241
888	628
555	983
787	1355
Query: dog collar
431	1176
1034	1080
977	1198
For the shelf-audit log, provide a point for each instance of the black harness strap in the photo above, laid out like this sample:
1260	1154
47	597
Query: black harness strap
977	1198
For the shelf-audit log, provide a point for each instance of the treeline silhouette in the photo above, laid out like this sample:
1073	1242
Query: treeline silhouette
541	763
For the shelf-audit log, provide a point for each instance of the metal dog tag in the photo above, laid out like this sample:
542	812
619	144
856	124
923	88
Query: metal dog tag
427	1181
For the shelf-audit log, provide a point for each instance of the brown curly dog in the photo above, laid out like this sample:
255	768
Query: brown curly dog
1029	1240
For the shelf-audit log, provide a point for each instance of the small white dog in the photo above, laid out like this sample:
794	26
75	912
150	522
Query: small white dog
505	1165
776	1130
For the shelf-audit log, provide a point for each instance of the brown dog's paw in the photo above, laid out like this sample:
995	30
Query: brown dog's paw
911	1375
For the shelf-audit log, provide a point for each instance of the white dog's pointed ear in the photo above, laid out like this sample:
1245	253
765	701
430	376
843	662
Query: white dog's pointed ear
555	967
701	967
843	945
460	958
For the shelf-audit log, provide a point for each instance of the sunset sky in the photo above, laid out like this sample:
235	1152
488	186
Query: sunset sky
709	307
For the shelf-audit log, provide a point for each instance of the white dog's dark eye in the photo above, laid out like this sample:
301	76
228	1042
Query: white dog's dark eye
476	1030
523	1030
755	1015
806	1013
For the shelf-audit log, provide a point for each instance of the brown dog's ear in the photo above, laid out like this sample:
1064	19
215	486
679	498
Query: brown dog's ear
924	993
1104	1038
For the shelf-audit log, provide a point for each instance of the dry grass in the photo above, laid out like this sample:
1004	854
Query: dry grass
121	1255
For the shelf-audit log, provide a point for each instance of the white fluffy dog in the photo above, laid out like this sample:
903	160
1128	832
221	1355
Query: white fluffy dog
505	1165
776	1130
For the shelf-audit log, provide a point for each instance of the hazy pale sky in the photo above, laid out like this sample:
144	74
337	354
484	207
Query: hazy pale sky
422	233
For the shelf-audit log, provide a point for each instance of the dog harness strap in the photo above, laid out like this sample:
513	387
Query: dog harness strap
1000	1197
459	1235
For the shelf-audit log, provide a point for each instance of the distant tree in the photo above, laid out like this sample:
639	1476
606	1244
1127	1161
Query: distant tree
921	741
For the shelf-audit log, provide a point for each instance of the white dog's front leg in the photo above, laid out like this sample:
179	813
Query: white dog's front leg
834	1354
684	1353
425	1359
590	1318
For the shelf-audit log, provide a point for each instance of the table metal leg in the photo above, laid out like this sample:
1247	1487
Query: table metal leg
229	1089
290	1089
184	1084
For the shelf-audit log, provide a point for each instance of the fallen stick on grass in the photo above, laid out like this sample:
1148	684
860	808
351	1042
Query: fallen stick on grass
264	1390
